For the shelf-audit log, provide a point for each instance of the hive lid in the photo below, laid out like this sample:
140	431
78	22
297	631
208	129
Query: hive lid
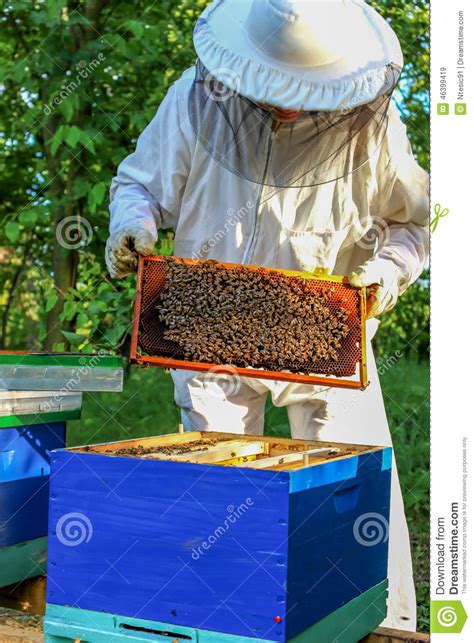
64	372
19	408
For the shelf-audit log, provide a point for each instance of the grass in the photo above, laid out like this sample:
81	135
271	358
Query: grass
146	407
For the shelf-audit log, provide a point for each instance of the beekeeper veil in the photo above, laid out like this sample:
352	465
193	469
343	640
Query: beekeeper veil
335	61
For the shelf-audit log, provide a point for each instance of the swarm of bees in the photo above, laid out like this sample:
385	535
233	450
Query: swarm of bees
245	317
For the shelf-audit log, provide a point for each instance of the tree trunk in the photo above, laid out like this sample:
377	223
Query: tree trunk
11	293
65	270
65	261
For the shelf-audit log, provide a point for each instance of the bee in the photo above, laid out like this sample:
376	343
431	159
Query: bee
249	317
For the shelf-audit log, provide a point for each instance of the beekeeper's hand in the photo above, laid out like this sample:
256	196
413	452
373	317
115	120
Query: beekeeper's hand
383	278
123	248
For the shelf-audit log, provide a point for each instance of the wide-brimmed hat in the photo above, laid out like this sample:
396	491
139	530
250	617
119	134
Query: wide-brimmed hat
309	55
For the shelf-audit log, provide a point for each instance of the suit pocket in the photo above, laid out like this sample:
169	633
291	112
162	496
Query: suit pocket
313	250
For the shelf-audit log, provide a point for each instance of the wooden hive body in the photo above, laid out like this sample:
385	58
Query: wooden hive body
25	448
39	393
24	474
227	547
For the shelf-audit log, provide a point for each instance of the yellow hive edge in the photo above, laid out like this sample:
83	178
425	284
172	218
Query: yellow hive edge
320	273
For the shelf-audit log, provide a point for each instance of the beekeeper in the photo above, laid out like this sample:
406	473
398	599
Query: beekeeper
282	148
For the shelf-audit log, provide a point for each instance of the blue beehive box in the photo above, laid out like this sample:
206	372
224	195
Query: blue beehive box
25	452
38	394
229	534
24	479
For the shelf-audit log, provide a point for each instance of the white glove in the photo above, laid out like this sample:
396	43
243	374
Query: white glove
123	248
384	276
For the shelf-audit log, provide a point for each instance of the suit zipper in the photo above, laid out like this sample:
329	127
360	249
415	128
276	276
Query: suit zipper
250	249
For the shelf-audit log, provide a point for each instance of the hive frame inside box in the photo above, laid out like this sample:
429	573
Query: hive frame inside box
301	519
232	449
359	381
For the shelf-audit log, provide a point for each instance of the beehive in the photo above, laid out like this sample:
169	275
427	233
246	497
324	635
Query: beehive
24	479
259	538
39	393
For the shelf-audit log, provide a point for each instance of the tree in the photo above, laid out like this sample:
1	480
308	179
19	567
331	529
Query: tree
80	79
411	20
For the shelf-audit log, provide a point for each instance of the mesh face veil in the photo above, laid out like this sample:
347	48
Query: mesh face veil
317	148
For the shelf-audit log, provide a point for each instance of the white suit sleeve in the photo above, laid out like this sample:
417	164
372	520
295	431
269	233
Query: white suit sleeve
150	182
403	206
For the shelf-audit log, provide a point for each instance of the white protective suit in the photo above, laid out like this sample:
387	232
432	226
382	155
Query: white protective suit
170	181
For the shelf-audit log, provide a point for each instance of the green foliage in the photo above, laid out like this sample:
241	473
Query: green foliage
406	328
80	80
410	19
